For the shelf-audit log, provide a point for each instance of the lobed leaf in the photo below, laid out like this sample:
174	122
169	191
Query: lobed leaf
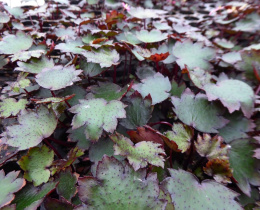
139	155
197	112
186	192
157	86
9	106
118	186
9	184
61	77
96	115
35	164
33	127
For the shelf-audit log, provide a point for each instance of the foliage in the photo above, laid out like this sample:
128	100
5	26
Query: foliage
140	104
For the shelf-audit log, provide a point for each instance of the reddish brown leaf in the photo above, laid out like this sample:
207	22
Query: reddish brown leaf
159	57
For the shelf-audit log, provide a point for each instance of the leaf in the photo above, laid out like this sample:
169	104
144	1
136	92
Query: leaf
32	129
31	197
103	147
91	69
219	169
193	55
138	111
197	112
138	155
181	135
244	165
65	33
96	115
205	195
9	106
26	55
4	18
211	148
237	127
67	184
224	43
108	91
79	136
157	86
74	89
71	46
20	83
142	13
151	36
233	94
231	57
105	58
146	133
61	77
9	184
121	188
199	77
35	164
35	66
12	44
249	57
177	89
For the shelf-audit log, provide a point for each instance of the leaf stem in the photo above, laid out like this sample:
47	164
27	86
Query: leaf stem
53	148
160	122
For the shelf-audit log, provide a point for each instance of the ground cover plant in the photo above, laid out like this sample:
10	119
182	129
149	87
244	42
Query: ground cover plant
130	105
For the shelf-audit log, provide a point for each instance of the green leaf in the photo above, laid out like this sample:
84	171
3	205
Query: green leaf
71	46
12	44
176	89
108	91
91	69
4	18
200	77
142	13
3	61
105	58
67	184
193	55
65	33
121	188
9	106
197	112
181	135
61	77
33	127
245	166
157	86
103	147
35	164
26	55
20	83
231	57
237	127
140	154
249	24
151	36
224	43
249	57
212	148
138	111
35	66
31	197
79	136
9	184
96	115
233	94
186	192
